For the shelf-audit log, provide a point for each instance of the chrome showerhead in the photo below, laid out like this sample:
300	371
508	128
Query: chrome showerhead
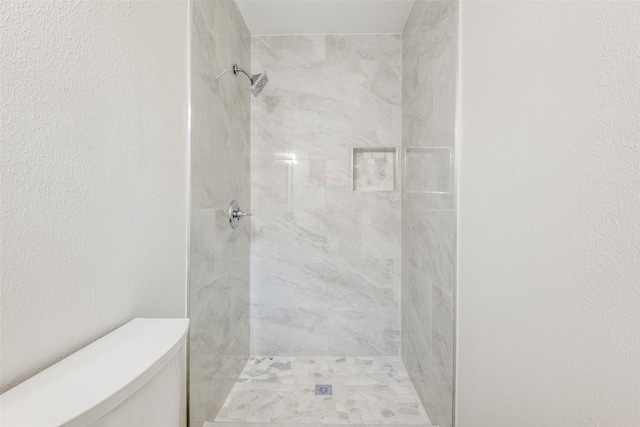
258	81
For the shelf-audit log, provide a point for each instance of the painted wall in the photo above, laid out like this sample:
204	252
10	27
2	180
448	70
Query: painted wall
429	73
93	171
549	223
325	259
219	263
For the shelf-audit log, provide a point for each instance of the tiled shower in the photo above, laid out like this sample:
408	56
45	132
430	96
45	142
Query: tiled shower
325	259
346	160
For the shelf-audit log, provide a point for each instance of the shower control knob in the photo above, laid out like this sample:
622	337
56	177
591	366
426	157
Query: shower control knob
235	214
240	214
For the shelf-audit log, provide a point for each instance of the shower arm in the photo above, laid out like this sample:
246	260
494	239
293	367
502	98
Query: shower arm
258	81
235	70
246	73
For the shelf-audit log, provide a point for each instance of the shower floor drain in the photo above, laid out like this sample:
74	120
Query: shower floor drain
323	390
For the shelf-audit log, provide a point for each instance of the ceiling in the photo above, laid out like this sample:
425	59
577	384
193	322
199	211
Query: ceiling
265	17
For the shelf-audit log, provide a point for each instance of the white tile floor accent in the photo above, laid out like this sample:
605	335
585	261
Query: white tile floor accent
366	390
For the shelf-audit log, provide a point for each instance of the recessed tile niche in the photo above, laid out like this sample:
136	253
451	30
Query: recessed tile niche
427	169
374	169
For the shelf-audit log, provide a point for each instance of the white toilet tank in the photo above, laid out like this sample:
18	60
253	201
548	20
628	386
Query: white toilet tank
132	377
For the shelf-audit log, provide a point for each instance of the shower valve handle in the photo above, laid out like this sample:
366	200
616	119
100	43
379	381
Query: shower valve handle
235	214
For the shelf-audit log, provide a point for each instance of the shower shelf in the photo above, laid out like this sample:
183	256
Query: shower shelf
374	169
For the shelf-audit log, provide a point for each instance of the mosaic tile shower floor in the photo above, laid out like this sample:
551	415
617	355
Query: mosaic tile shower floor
366	390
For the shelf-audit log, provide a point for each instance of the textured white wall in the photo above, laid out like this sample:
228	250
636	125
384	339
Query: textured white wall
549	214
93	171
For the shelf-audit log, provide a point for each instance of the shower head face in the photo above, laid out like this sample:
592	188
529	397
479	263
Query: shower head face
258	82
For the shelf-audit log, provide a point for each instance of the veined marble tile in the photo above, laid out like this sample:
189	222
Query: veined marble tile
413	235
418	62
291	331
280	283
418	92
288	184
204	193
417	124
232	246
339	173
429	69
215	187
270	184
323	283
435	252
381	233
220	170
374	332
305	211
203	106
428	169
289	234
332	135
220	310
417	127
427	244
210	383
432	18
415	341
414	47
344	233
351	200
202	247
277	51
271	133
433	387
230	7
382	82
416	308
204	19
443	330
307	234
216	52
429	92
320	85
416	347
422	201
444	72
364	46
219	340
210	25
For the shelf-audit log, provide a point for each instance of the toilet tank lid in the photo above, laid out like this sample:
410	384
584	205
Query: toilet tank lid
92	381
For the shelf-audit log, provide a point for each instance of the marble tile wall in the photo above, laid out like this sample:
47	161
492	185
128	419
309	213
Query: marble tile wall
429	69
325	260
220	171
